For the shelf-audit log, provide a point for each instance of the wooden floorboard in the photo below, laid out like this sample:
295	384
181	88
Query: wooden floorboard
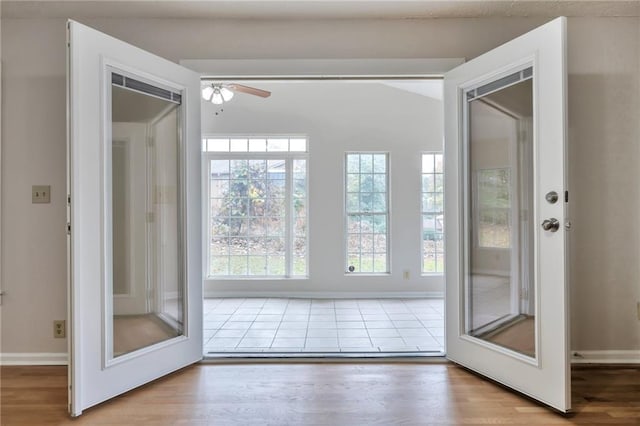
321	394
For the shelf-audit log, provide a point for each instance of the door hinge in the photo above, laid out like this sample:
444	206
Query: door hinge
566	196
68	228
68	199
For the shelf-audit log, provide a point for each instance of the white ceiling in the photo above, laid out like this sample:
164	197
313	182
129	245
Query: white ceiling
315	9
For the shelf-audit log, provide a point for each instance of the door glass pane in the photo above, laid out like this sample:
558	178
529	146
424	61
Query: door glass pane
500	305
147	288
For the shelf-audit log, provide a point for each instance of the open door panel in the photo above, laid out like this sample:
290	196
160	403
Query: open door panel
506	280
135	277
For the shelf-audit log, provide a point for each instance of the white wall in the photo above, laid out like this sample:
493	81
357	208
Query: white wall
603	152
339	117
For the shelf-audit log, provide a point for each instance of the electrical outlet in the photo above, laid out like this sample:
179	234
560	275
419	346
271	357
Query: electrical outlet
59	329
406	274
41	194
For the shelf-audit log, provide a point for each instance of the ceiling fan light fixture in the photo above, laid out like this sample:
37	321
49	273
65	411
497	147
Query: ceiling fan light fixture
207	92
227	94
217	98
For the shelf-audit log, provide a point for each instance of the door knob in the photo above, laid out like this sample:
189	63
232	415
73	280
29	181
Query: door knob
551	225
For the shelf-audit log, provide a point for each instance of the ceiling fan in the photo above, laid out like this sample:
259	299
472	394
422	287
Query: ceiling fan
218	93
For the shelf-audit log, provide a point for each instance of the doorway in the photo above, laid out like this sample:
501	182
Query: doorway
324	218
99	377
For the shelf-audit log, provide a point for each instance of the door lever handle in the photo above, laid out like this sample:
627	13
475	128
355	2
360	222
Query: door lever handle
551	225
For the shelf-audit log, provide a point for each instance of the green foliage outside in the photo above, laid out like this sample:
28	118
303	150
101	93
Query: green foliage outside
250	193
248	227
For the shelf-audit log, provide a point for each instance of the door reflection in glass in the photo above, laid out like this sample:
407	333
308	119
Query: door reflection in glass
500	305
148	283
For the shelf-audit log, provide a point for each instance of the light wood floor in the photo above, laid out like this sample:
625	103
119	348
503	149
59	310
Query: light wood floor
320	394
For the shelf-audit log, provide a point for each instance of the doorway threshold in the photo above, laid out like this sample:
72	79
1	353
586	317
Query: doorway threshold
435	356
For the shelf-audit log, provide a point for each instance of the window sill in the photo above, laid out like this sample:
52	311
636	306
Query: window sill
367	274
257	278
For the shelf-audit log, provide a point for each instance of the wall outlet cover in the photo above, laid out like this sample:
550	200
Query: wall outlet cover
59	329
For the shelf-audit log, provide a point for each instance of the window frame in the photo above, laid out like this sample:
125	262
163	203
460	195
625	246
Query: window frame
346	214
288	157
422	213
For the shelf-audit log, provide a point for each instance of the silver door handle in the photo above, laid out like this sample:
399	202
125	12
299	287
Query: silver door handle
551	225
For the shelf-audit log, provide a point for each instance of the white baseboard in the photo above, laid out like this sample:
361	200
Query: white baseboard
329	294
605	357
34	358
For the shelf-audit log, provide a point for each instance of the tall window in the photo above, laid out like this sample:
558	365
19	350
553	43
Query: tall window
432	213
367	211
494	208
257	206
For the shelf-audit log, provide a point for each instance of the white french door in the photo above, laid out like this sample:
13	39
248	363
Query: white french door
506	211
135	291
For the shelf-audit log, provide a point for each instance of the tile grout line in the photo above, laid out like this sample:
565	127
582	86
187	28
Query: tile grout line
280	323
306	334
247	330
367	328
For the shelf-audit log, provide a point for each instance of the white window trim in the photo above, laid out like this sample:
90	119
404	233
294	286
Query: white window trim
288	156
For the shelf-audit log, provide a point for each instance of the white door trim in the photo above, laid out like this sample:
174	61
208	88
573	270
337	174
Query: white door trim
239	69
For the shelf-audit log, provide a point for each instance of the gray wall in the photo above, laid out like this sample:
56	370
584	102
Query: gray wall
603	152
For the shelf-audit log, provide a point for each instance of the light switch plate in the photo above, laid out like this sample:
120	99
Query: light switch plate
40	194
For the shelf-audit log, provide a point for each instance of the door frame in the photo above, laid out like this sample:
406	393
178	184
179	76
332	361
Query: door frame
315	70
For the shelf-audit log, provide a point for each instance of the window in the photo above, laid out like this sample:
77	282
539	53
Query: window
367	213
494	208
432	213
257	207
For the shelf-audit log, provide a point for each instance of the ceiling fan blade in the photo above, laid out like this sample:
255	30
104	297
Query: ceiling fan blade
249	90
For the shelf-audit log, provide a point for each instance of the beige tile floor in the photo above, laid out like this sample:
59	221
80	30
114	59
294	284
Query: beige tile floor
323	325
